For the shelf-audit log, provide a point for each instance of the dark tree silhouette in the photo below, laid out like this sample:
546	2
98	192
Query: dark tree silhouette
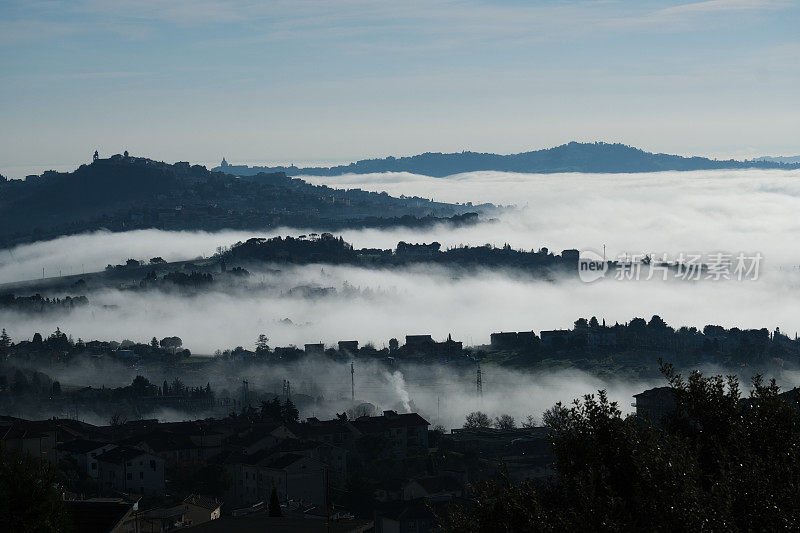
720	463
274	504
477	419
29	500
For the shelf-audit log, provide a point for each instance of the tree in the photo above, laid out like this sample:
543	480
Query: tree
289	412
261	343
271	410
141	386
477	419
718	463
20	384
5	340
56	388
29	500
530	422
37	339
362	409
505	422
657	323
154	343
177	386
435	435
274	504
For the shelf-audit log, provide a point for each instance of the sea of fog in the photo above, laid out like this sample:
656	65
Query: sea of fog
751	211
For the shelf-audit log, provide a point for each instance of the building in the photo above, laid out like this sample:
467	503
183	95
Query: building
332	456
441	487
260	437
413	516
602	338
570	257
201	509
348	346
341	433
22	436
425	346
316	349
512	340
407	433
555	339
130	470
260	522
163	519
106	515
83	453
293	476
417	250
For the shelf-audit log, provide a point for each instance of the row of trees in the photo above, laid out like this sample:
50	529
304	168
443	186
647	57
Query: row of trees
479	420
720	462
270	411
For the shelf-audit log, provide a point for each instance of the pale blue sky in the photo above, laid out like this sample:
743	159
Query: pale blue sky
317	81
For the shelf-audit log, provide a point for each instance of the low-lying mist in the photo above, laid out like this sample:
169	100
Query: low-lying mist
670	212
321	387
662	212
325	303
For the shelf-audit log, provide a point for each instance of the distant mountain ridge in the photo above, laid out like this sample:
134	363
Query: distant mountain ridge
572	157
791	160
124	192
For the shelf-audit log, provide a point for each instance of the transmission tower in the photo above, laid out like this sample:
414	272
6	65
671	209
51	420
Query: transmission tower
479	381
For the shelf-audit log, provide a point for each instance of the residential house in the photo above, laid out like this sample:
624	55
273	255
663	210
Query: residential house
100	514
433	487
293	476
22	436
130	470
201	509
407	433
83	453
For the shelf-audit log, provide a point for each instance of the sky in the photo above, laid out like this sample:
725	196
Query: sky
334	81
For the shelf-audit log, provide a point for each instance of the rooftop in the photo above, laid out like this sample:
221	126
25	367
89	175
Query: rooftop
206	502
121	455
93	516
80	446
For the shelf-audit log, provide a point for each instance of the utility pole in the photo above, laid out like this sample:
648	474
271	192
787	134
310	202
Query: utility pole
352	382
479	381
